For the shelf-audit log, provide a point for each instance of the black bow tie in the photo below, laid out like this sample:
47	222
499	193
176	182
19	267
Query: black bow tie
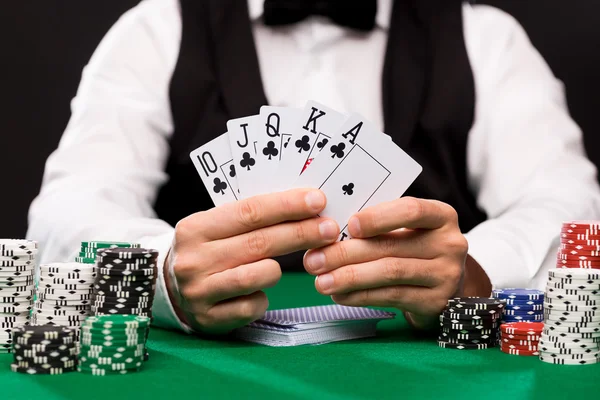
356	14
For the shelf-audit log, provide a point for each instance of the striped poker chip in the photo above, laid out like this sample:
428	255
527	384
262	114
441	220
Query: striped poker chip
571	324
67	281
462	346
16	266
569	345
518	352
522	328
42	370
518	294
574	286
16	274
572	314
564	361
574	356
570	307
583	332
554	292
23	244
570	351
572	300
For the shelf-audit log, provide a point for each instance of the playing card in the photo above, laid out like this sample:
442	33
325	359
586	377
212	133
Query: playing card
313	325
244	144
214	164
314	129
360	167
320	314
274	131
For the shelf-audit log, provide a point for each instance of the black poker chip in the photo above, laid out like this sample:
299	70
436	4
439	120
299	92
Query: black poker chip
141	272
462	346
56	353
466	317
40	370
456	324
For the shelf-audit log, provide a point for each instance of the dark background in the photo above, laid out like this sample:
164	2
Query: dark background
45	44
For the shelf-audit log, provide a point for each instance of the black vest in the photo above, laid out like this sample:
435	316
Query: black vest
428	98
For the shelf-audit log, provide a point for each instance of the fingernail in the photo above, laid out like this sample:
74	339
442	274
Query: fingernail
315	200
328	229
354	226
325	281
315	260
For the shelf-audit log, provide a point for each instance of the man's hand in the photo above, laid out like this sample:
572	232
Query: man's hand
408	254
222	258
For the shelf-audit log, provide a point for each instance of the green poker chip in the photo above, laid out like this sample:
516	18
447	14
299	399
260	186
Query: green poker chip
85	254
85	260
112	352
120	320
108	245
102	372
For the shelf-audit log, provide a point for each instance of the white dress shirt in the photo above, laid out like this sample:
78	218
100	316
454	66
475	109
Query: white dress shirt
526	163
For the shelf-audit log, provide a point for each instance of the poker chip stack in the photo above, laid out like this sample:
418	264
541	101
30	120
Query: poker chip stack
579	245
49	350
89	250
572	317
126	281
113	344
470	323
522	305
520	338
64	293
17	280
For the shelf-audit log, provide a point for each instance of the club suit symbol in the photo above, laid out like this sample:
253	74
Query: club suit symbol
270	150
348	189
322	143
337	150
302	144
232	171
247	161
220	186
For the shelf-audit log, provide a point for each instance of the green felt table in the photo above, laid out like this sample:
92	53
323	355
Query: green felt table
397	364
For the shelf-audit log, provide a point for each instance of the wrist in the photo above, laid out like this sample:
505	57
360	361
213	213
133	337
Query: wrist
476	282
172	290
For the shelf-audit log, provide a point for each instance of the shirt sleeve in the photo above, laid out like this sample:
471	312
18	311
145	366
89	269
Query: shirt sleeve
102	181
526	161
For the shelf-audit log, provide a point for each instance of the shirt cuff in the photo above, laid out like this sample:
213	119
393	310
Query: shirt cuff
162	309
497	258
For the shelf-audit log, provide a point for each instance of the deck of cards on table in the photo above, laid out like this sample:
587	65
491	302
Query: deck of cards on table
281	148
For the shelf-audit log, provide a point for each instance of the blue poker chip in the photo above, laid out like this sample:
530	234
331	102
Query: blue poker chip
518	294
523	312
513	302
523	318
526	307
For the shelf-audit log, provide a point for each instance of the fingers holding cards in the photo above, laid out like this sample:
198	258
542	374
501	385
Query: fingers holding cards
354	164
360	167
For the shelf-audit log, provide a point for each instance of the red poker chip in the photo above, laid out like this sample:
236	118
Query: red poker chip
520	343
579	231
574	239
523	328
588	239
576	257
576	264
517	352
508	346
520	338
565	248
581	224
578	253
